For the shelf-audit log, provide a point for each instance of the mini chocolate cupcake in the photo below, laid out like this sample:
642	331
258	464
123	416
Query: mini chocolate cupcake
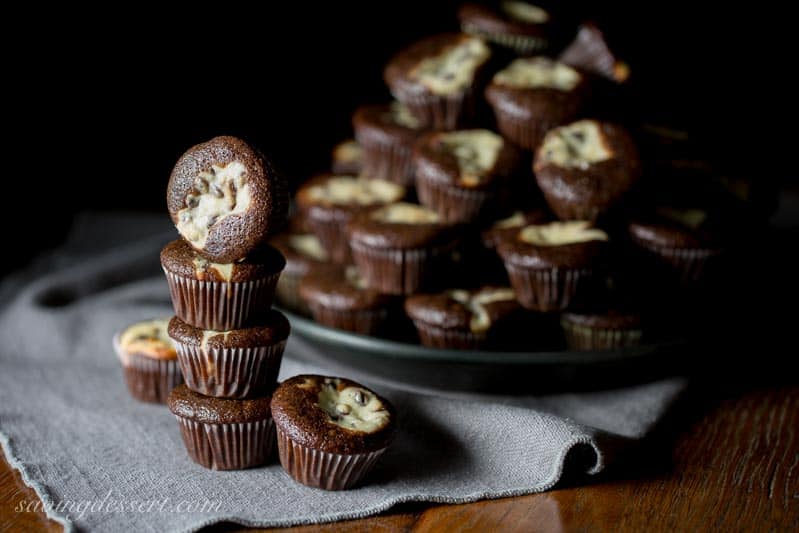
523	27
216	296
590	52
149	360
387	134
461	174
586	168
225	199
304	254
330	431
463	319
606	330
328	202
399	247
339	298
549	264
347	158
533	95
231	364
437	77
223	434
679	242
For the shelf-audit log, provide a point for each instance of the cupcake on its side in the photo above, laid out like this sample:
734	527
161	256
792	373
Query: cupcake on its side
586	168
217	296
231	364
522	27
591	52
330	431
223	434
437	78
549	264
464	319
347	158
387	134
680	242
304	254
328	202
461	175
605	330
149	360
533	95
339	298
399	247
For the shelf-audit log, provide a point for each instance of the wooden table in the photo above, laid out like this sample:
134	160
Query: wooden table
724	460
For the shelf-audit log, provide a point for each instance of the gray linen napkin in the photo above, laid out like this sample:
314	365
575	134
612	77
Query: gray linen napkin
102	461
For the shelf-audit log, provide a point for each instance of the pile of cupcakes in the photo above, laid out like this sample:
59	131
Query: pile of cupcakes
493	198
226	342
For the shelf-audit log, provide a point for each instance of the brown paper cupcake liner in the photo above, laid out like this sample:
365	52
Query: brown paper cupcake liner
546	289
333	237
362	321
524	131
287	293
453	204
441	112
148	379
220	305
589	338
228	446
435	337
387	161
688	264
230	372
521	44
324	470
396	271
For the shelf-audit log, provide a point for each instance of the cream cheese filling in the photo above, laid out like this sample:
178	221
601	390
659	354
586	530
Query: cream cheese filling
561	233
149	338
201	265
217	194
476	302
352	408
453	69
579	144
476	152
405	213
524	12
308	245
538	72
348	190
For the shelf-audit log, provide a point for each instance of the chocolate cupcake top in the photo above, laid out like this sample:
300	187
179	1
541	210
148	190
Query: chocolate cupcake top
347	193
472	310
186	403
676	228
608	319
341	287
225	199
442	65
347	158
386	123
400	225
557	244
303	252
148	339
510	17
508	227
333	414
590	51
275	329
179	258
472	159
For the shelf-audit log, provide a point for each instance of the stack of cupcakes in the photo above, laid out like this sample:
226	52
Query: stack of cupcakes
225	200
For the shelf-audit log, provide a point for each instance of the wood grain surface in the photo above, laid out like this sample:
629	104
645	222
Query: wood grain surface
719	462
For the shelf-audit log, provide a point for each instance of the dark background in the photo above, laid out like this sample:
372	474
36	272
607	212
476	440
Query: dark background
103	103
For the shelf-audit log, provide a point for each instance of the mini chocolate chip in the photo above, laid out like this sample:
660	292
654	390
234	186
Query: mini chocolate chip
192	201
217	191
359	397
201	185
579	136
